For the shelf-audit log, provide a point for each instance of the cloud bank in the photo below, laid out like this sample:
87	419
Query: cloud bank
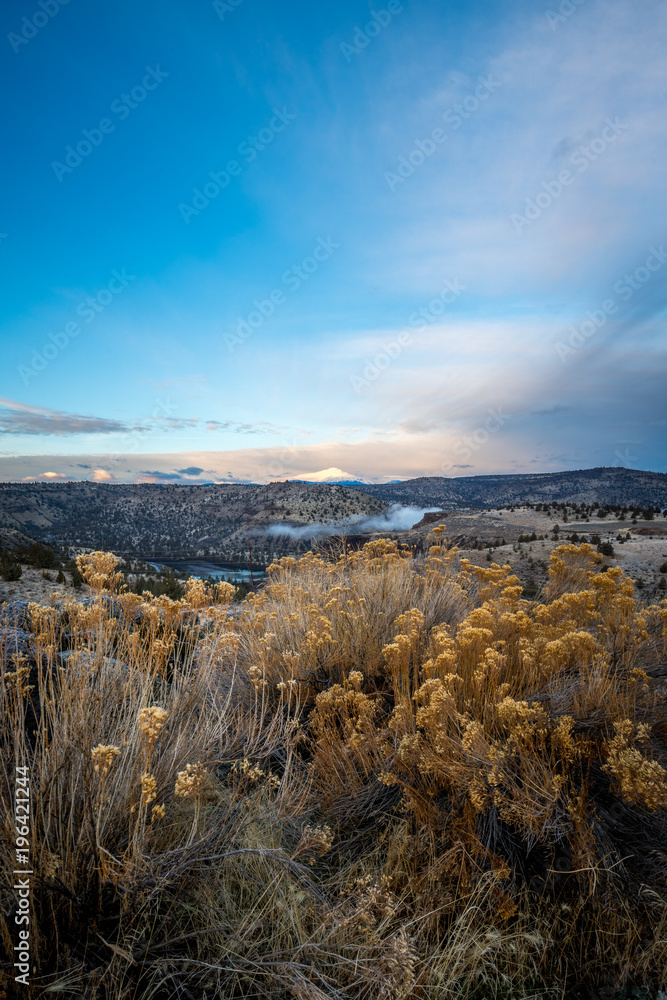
397	518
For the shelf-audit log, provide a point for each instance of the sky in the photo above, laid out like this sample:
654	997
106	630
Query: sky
248	241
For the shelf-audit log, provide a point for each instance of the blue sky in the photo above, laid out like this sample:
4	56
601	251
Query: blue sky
257	241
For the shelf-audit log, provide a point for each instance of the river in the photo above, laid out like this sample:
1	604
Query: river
202	568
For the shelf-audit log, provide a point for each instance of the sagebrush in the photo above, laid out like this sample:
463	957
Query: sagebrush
387	777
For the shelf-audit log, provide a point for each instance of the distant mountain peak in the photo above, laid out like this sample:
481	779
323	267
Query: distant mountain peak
333	475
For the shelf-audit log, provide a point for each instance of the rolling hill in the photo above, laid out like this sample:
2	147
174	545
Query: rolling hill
217	521
604	485
155	520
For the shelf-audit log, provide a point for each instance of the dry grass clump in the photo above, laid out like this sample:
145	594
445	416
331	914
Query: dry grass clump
98	569
317	619
388	778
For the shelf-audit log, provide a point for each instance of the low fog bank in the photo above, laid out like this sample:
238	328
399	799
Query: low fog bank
397	518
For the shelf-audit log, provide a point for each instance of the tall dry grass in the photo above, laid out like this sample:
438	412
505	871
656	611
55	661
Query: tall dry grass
387	777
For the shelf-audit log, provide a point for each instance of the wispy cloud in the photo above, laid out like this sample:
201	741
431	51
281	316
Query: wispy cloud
258	427
227	426
495	346
20	418
17	418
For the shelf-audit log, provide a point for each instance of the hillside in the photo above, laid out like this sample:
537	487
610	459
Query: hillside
174	521
216	521
604	485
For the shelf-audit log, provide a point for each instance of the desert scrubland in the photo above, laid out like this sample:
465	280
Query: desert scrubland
384	775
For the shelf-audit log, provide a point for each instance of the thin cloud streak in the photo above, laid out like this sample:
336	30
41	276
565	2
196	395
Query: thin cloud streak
17	418
20	418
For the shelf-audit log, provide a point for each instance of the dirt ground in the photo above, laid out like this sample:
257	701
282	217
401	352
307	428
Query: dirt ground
34	586
640	557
